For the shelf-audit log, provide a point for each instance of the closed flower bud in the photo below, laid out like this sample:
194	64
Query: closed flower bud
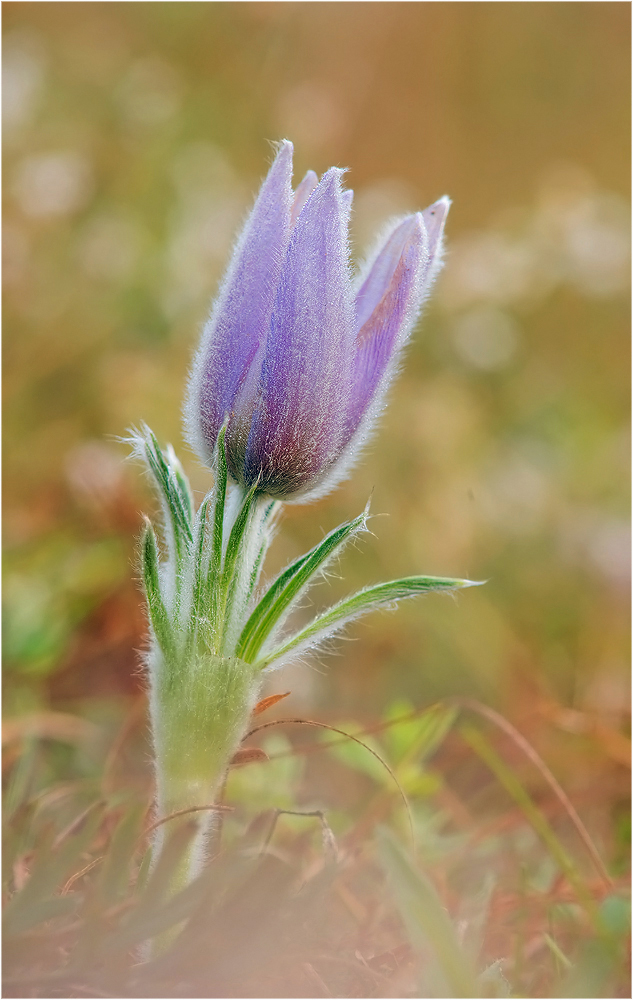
297	354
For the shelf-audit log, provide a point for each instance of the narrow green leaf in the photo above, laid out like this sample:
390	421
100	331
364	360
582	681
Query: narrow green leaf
266	603
178	505
182	483
231	568
236	536
215	563
425	918
289	585
266	532
337	617
200	570
158	616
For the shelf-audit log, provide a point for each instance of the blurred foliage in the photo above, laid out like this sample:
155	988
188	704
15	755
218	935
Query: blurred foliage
291	906
134	139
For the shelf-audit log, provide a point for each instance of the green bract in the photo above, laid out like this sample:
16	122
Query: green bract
213	631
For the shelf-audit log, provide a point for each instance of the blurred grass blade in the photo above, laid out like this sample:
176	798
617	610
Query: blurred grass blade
50	871
170	856
559	955
113	881
508	779
284	592
21	780
149	921
365	601
44	910
593	973
354	755
433	726
424	916
474	916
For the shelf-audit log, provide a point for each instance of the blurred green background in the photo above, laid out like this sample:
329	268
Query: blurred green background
135	138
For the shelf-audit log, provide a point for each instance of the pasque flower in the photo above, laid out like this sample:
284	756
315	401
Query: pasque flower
289	377
297	354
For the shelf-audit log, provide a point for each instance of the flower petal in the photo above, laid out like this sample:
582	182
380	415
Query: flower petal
395	287
241	313
381	272
305	382
434	218
302	194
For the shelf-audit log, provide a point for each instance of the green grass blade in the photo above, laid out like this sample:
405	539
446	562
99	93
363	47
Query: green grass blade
425	918
158	887
114	877
21	782
593	973
433	726
508	779
289	585
50	871
370	599
147	923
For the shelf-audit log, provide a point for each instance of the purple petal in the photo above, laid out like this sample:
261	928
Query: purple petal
394	288
297	428
434	218
243	403
348	198
241	315
380	275
302	194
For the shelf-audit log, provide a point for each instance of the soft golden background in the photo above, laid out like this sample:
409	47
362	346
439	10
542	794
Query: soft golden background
135	138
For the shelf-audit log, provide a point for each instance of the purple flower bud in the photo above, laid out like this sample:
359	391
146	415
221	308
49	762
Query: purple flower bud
296	355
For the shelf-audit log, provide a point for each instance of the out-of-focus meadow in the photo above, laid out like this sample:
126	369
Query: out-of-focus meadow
134	140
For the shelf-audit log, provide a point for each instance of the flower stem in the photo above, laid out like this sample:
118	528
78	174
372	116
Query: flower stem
200	711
